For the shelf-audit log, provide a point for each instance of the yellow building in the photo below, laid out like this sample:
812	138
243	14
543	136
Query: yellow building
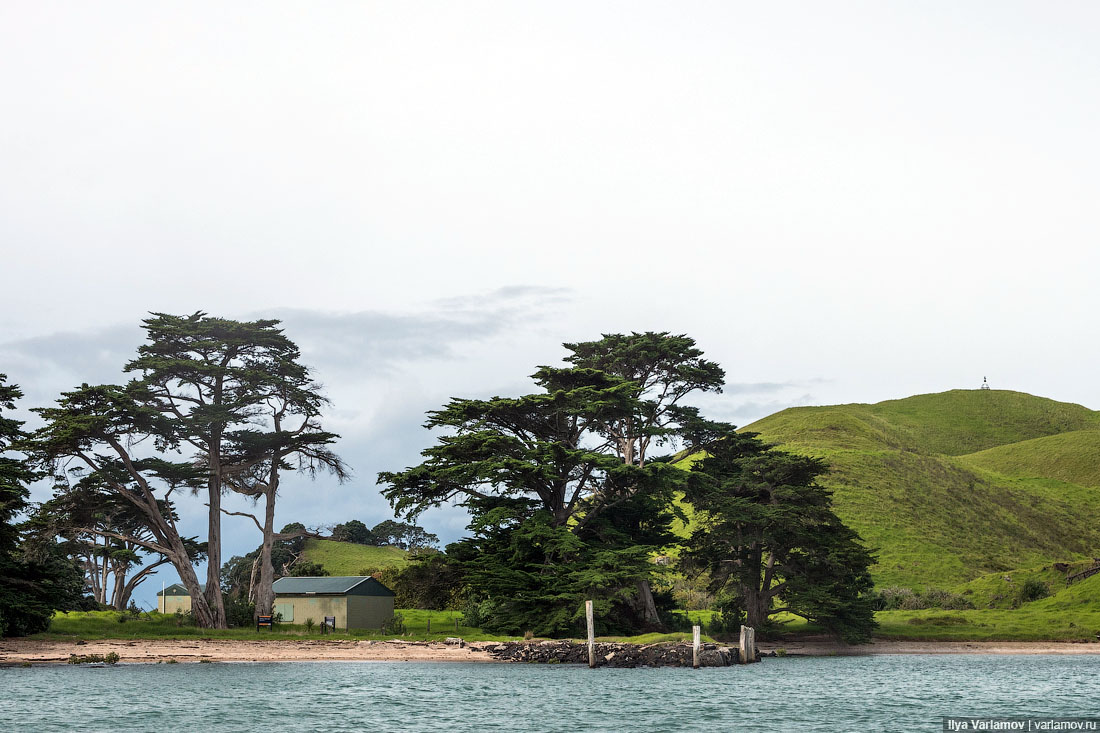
356	602
174	598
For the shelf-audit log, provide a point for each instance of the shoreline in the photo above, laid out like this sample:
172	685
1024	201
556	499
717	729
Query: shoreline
33	651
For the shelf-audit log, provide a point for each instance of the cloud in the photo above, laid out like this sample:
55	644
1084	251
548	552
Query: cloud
768	387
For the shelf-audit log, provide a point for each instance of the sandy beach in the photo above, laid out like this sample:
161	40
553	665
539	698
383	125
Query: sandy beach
17	651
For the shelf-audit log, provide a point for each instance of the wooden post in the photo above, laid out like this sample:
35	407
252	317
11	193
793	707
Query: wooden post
748	644
591	634
429	625
695	644
456	624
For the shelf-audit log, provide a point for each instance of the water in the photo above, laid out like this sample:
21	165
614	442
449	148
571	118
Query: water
880	693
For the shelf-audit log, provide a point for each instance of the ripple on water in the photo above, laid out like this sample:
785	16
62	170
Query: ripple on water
908	692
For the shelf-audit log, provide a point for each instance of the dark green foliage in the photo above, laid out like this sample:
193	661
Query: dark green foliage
768	536
433	582
536	576
565	503
239	611
353	531
34	581
400	534
395	625
1032	589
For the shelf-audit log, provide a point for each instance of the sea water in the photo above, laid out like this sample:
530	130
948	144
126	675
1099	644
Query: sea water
870	693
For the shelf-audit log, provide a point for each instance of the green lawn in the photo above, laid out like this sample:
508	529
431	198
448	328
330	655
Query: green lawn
1072	616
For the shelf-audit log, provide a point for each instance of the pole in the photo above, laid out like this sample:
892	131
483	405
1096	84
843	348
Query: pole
748	644
591	634
429	625
695	643
163	599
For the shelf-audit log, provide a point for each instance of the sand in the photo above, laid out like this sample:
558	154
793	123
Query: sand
17	651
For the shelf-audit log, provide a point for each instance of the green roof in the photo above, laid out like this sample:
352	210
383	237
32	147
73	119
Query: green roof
332	585
177	589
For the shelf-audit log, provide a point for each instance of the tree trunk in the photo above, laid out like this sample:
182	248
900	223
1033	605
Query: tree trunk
646	606
104	571
214	540
265	595
120	583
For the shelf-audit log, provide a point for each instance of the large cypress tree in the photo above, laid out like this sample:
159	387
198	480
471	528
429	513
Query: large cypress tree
767	534
32	585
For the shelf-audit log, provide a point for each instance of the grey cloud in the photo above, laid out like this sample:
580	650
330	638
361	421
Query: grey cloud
769	387
752	410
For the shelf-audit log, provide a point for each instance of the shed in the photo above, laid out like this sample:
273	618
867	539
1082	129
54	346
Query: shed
357	602
175	598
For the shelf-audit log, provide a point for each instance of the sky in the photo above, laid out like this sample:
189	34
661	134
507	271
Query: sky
841	202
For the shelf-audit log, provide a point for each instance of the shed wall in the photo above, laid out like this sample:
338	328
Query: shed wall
171	604
369	612
316	608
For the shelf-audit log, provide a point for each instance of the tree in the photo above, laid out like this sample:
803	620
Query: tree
767	534
537	476
127	447
239	575
663	369
80	515
400	534
353	531
294	441
210	378
32	585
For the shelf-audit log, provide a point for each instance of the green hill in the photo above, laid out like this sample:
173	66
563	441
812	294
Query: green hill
1072	457
347	558
950	423
949	487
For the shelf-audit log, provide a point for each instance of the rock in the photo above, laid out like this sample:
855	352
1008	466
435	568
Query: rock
454	641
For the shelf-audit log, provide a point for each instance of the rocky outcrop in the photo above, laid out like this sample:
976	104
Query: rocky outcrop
611	654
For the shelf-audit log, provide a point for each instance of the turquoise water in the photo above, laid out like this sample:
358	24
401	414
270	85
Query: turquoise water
880	693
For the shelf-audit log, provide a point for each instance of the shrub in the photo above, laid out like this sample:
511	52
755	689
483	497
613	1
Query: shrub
395	626
471	613
938	598
111	658
239	612
906	599
1032	590
528	635
309	625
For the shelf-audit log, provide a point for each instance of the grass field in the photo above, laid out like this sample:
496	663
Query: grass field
345	558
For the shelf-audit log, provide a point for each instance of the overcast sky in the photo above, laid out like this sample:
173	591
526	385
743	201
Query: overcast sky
841	202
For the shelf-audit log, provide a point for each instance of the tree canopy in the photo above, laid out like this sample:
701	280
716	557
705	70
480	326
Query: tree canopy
768	536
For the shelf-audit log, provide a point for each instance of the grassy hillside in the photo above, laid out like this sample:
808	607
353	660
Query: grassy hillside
949	487
1072	457
950	423
346	558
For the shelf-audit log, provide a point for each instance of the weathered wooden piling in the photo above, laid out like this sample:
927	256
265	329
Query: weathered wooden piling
591	634
748	645
696	642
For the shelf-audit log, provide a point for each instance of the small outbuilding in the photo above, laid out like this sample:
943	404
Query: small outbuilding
175	598
357	602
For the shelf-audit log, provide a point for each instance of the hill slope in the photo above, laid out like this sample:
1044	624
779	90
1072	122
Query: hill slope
347	558
951	486
1073	457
